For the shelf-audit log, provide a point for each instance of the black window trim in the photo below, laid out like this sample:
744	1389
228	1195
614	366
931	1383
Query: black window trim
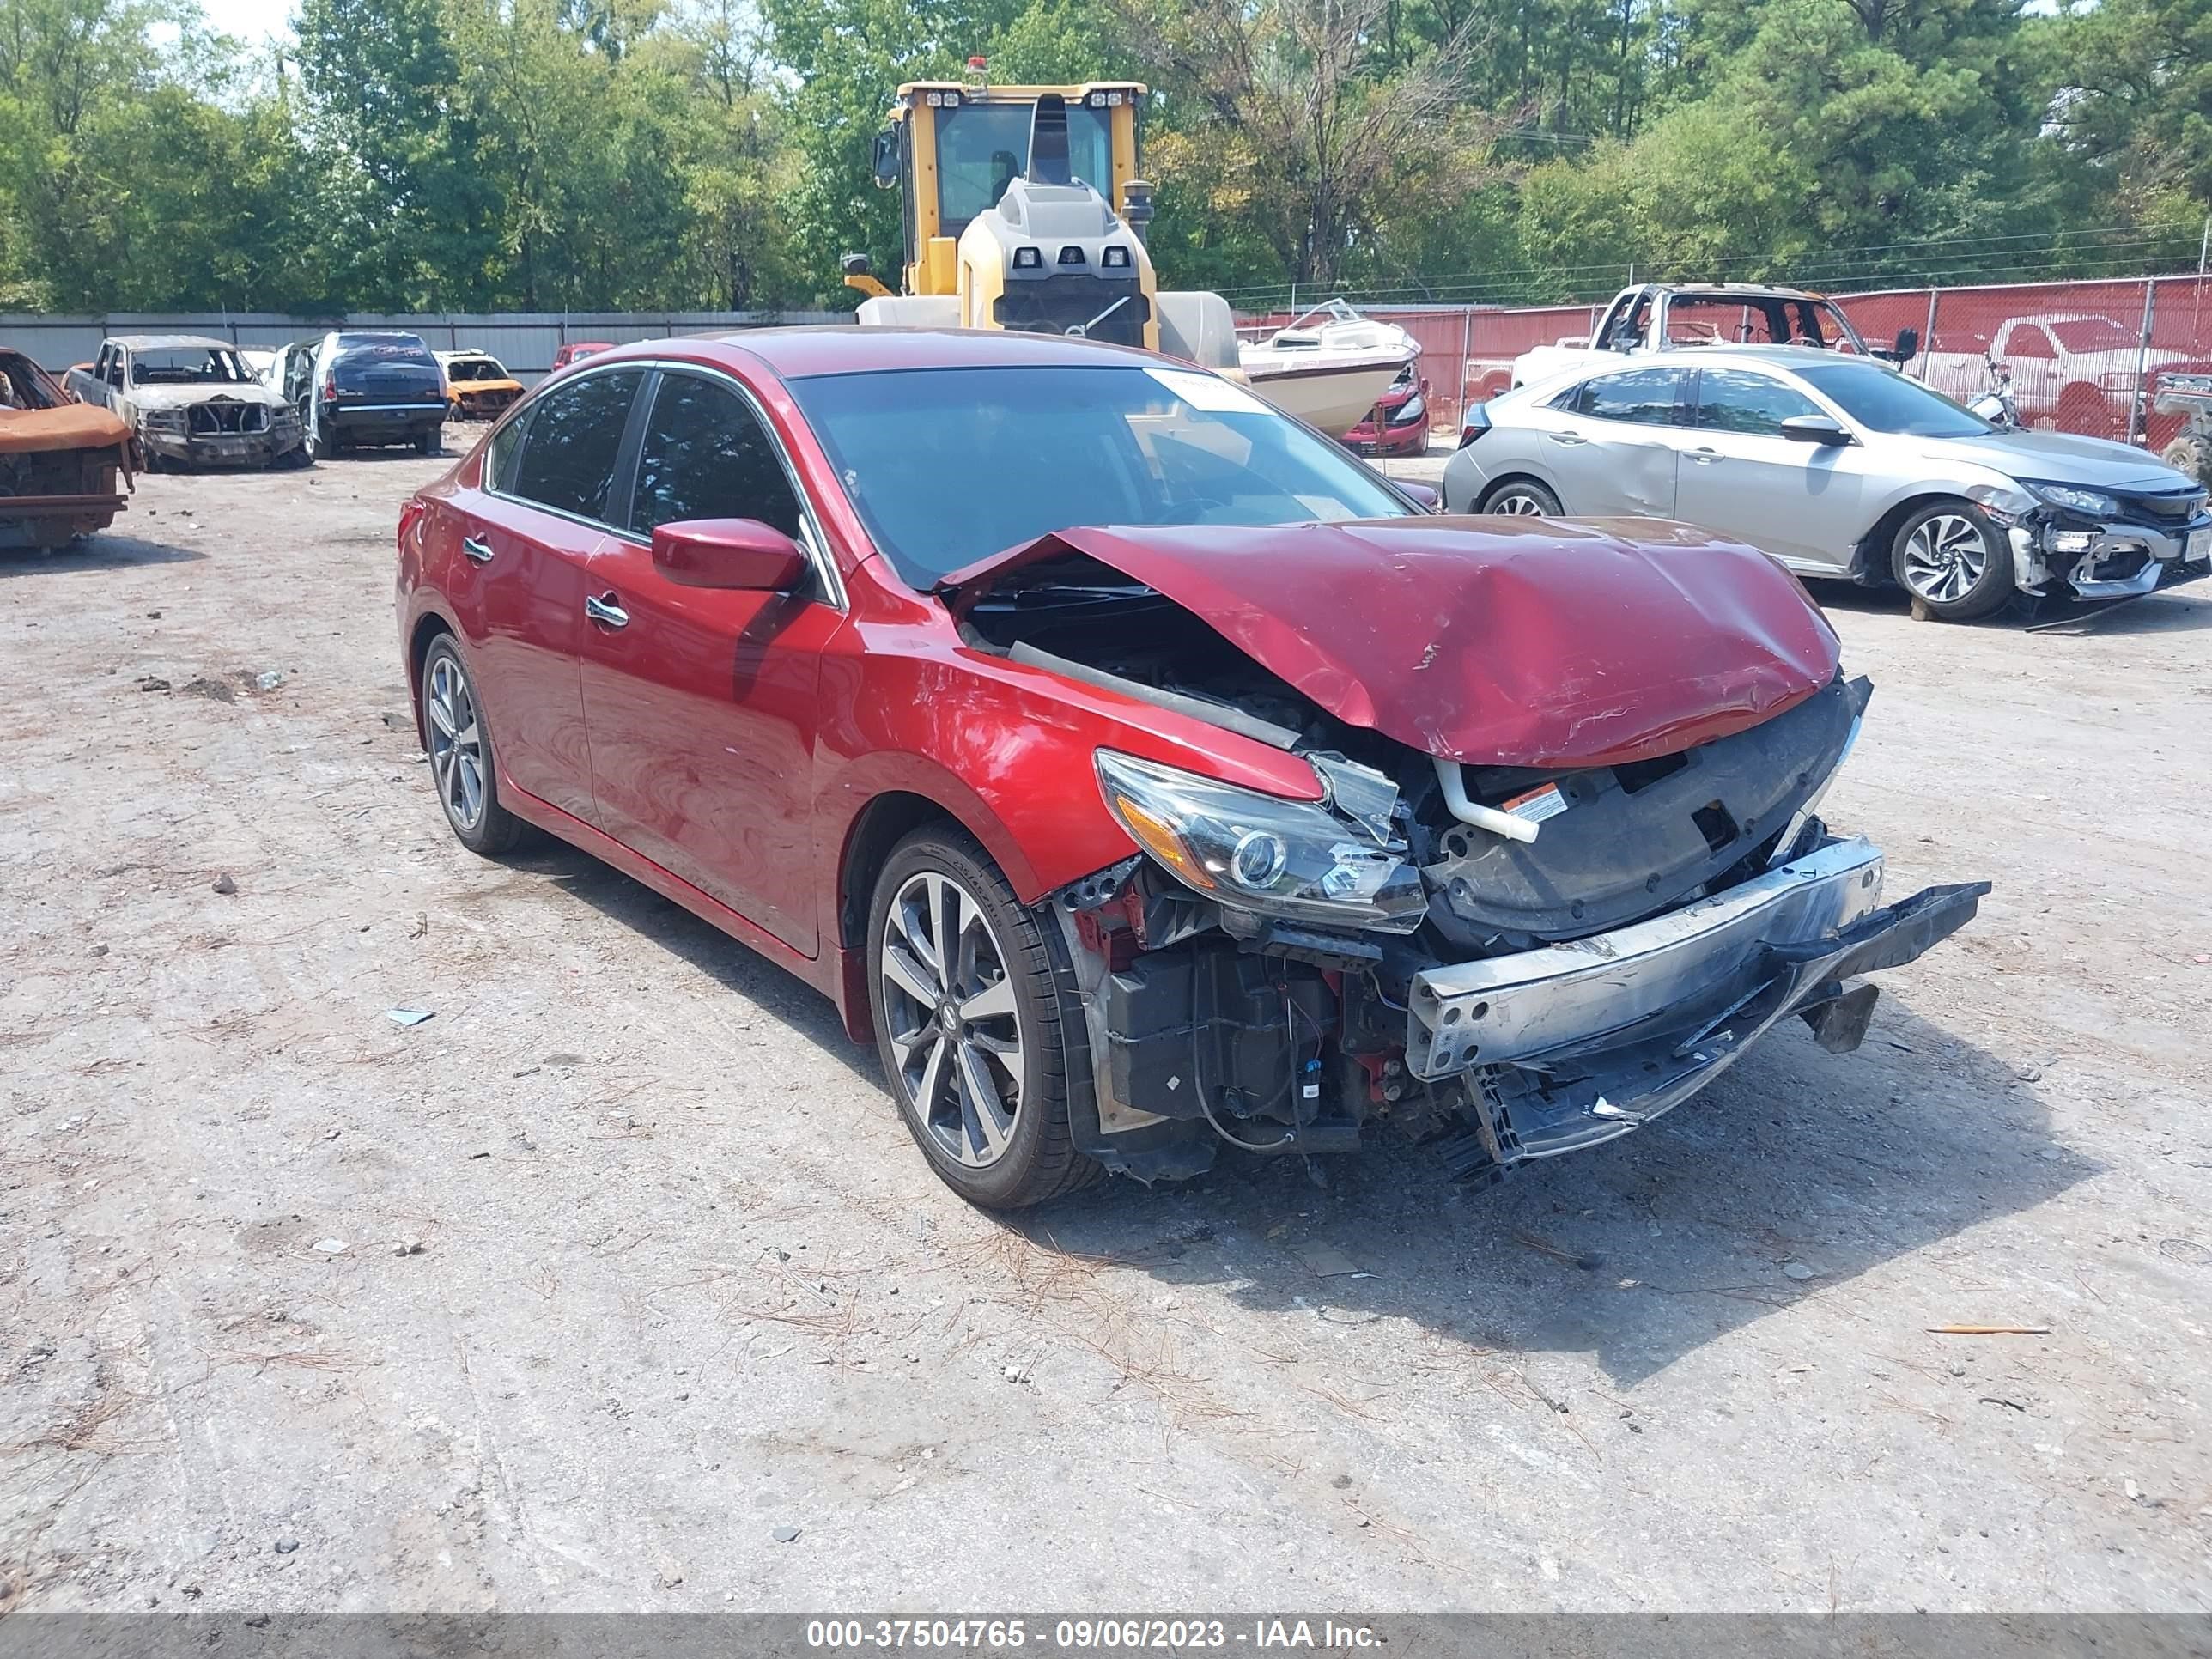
622	486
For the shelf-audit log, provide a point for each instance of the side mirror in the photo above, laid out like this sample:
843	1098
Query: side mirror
887	159
1814	429
739	554
1908	344
1424	496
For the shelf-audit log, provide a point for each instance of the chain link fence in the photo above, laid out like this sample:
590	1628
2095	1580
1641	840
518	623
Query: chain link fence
2084	357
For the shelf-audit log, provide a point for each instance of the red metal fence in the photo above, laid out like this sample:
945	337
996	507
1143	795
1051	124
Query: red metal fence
2083	356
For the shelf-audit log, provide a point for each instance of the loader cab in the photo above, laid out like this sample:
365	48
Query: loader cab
953	149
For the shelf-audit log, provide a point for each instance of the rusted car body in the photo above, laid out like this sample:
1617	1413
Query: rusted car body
61	462
477	384
191	401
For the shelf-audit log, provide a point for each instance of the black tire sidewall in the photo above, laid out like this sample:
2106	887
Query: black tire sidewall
1989	594
1543	492
1032	1170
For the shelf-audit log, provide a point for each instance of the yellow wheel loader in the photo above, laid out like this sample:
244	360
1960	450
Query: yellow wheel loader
1021	209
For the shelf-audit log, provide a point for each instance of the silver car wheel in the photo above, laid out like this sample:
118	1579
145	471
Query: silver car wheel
1518	504
456	744
1944	558
955	1023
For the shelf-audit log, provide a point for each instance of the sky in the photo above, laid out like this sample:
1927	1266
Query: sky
249	20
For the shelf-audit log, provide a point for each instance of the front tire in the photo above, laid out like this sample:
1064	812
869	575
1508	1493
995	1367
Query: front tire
1954	562
971	1024
461	764
1521	498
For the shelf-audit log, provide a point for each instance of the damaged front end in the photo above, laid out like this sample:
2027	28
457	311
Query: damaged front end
1512	925
2097	544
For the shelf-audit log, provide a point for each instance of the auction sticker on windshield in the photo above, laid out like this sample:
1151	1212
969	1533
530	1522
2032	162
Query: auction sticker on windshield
1208	392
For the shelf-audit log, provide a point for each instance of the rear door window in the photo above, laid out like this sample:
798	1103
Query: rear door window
575	437
1641	396
705	455
1734	400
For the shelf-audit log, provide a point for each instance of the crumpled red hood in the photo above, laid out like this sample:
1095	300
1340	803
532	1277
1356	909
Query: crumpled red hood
1499	641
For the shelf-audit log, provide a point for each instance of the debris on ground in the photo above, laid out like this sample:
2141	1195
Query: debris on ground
213	690
1326	1261
1990	1330
785	1534
330	1246
224	883
1797	1270
408	1016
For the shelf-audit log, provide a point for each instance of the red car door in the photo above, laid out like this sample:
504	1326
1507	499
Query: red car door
701	701
528	534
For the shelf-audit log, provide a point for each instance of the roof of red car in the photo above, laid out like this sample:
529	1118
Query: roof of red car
847	348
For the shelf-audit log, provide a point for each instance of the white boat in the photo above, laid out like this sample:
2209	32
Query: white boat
1328	366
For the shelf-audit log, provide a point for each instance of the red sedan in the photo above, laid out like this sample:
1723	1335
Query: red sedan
1399	423
1138	770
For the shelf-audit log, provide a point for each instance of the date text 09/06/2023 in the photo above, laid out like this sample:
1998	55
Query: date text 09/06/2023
1138	1634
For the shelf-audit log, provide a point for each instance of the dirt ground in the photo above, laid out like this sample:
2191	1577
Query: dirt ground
684	1321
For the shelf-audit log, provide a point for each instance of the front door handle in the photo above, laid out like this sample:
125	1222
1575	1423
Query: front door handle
1706	457
477	548
608	611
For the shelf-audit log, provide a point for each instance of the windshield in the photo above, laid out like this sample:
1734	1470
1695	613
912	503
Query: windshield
2092	334
475	368
982	147
186	366
1885	402
949	465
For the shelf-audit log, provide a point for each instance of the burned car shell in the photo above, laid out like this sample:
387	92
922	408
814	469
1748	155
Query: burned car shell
477	384
214	422
59	460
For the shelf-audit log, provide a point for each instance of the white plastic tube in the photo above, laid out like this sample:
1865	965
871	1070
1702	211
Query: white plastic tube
1482	818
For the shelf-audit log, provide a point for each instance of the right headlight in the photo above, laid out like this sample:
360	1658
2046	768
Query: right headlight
2074	498
1281	858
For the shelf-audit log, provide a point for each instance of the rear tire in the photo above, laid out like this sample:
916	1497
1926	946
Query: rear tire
973	1036
1520	498
1954	562
430	443
462	766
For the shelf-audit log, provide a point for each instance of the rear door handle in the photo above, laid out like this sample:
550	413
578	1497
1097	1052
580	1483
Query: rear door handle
608	611
1567	437
477	548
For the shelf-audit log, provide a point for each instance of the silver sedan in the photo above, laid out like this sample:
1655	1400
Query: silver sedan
1838	466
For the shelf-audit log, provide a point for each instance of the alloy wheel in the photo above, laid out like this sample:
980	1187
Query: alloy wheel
456	744
1518	504
1944	558
954	1021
